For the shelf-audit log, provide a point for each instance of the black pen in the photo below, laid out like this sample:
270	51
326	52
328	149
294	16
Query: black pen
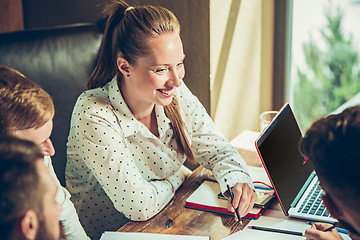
232	199
329	228
277	230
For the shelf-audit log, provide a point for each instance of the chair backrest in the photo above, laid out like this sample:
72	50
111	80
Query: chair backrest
60	60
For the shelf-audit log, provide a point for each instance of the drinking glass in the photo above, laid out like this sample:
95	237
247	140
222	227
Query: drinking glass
265	119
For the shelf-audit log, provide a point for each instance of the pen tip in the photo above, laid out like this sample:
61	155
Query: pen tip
225	180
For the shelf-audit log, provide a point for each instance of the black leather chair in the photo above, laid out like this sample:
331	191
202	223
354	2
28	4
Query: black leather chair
60	60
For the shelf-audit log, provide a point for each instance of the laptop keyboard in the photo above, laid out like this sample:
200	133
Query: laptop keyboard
313	204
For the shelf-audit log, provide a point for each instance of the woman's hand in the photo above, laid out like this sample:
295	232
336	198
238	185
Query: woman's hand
316	232
244	199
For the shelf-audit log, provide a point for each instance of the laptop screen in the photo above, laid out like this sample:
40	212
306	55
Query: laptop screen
278	147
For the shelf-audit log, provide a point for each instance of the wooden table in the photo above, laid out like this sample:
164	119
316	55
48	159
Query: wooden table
188	221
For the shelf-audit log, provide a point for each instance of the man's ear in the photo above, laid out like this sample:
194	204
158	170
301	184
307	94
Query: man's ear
331	206
29	224
123	66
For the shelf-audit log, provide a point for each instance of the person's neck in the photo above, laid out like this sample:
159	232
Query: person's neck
144	113
138	108
140	111
150	122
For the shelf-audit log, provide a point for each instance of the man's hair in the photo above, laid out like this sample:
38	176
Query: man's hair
333	144
23	103
20	186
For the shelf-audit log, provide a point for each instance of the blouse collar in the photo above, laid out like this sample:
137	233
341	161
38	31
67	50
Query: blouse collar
128	122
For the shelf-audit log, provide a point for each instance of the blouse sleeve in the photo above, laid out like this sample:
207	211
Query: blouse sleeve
211	148
104	151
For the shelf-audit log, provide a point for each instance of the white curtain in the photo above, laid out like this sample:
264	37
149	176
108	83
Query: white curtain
241	33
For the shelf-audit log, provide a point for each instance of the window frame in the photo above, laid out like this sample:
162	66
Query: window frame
282	52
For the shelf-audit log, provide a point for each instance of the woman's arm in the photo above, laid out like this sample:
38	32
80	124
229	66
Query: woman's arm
214	151
211	148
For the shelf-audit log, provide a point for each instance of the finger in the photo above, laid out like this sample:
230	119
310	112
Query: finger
252	202
229	205
238	202
313	226
245	200
314	234
237	192
244	204
310	233
322	226
231	208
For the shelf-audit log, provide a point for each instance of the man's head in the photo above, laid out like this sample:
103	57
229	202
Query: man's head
333	144
26	110
28	209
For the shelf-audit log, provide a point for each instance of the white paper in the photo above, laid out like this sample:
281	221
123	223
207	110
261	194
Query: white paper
259	174
147	236
207	194
273	222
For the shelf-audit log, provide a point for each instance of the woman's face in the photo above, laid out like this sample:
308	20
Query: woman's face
154	77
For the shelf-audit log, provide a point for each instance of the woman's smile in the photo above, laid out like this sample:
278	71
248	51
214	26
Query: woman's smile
166	92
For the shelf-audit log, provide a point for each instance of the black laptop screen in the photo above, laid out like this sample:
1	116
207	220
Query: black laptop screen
278	147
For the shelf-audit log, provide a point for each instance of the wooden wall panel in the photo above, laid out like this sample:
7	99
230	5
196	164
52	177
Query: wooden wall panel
11	16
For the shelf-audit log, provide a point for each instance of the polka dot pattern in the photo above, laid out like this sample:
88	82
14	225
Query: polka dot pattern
118	170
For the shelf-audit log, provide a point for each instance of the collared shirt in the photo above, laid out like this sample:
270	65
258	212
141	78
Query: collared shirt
118	170
68	216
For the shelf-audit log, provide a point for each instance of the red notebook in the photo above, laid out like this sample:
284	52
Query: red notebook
205	198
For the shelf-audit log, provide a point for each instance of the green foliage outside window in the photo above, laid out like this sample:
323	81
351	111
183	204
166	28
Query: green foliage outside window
332	74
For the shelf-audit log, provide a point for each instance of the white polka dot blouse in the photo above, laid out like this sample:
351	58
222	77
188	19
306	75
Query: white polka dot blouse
118	170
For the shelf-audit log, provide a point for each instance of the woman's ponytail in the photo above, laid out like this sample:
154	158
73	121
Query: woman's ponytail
182	143
106	68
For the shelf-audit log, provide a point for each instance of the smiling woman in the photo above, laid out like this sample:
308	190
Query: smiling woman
153	79
133	130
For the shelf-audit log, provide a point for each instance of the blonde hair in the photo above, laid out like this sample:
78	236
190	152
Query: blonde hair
23	103
128	32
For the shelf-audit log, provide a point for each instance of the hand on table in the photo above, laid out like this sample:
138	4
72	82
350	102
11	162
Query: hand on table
316	232
244	199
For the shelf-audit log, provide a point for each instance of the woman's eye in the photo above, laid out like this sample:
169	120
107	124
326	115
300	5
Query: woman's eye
180	64
161	70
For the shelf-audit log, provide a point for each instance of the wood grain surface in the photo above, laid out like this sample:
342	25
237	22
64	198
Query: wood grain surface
188	221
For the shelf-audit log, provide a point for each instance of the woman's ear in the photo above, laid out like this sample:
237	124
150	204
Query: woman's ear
123	66
331	206
29	224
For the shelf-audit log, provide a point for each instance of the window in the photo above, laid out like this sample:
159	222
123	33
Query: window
324	70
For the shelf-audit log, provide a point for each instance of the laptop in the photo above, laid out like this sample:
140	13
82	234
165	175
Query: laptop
294	179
